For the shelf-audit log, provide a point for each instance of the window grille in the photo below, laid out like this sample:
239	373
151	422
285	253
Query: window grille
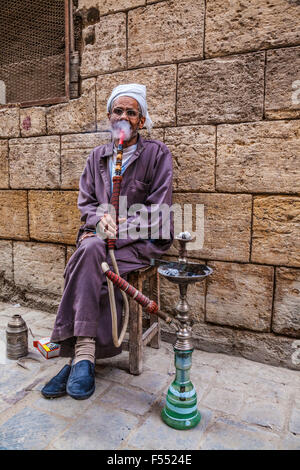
34	51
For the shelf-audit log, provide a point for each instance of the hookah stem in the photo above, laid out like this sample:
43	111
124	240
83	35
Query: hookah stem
117	179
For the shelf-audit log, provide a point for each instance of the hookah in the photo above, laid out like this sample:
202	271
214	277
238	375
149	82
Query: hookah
180	411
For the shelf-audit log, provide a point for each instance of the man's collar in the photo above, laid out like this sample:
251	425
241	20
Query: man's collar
109	147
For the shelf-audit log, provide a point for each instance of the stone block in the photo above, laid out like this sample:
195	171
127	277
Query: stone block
9	122
229	89
286	318
54	216
98	428
35	162
76	115
109	6
75	149
276	231
33	121
264	414
39	266
16	430
294	425
252	25
154	434
226	231
251	157
240	295
4	178
193	151
161	92
150	381
227	401
106	51
165	32
282	98
155	134
6	265
226	434
13	214
196	298
70	251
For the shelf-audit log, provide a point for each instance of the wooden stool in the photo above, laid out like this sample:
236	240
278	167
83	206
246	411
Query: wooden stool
137	339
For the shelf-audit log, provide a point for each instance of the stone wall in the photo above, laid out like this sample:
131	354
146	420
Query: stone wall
223	83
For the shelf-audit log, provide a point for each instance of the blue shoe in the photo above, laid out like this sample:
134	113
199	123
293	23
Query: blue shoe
56	387
81	382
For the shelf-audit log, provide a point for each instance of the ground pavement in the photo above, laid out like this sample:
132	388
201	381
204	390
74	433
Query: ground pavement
244	404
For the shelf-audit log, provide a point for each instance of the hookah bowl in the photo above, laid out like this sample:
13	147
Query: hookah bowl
180	410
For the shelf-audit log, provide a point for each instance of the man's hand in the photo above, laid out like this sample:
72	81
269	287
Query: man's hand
107	226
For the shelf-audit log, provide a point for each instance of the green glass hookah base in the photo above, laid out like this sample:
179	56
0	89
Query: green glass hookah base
180	411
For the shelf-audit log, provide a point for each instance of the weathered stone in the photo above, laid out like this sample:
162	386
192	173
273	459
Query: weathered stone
9	122
75	149
107	52
266	348
4	180
247	26
33	121
196	299
39	266
54	216
240	295
161	92
193	151
70	250
13	214
6	265
286	318
221	90
109	6
252	157
276	230
227	220
282	98
155	134
76	115
35	162
165	32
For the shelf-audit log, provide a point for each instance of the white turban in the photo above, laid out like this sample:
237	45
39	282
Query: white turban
136	91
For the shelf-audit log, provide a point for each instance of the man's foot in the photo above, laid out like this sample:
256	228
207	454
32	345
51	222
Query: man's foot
56	387
81	382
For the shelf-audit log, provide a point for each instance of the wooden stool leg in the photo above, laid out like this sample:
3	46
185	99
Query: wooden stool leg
155	288
135	337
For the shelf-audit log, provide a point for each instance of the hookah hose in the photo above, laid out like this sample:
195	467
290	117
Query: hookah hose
114	278
111	242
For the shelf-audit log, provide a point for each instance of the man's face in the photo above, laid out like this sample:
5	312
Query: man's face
126	108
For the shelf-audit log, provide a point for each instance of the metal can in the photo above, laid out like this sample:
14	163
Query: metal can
16	338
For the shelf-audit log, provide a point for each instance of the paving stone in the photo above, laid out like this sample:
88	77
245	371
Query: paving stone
294	425
135	401
3	406
66	406
112	373
290	442
155	434
228	401
264	414
149	381
29	430
98	428
227	435
12	380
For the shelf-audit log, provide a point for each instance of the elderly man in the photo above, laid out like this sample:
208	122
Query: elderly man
83	322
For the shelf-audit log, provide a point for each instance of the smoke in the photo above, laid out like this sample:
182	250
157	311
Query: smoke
121	126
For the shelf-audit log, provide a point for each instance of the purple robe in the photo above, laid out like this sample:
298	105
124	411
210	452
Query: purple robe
84	309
